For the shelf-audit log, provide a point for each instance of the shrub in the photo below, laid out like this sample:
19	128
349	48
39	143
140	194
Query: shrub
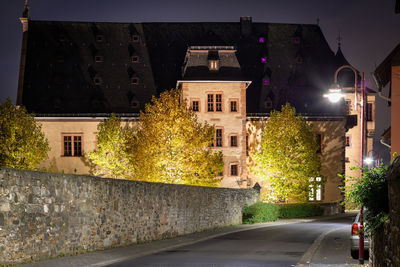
371	192
260	212
287	211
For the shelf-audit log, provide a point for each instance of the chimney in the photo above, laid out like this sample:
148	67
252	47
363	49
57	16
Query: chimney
245	26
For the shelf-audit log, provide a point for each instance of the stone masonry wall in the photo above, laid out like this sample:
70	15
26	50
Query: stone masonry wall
45	215
385	248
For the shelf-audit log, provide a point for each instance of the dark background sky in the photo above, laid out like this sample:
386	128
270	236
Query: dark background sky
369	28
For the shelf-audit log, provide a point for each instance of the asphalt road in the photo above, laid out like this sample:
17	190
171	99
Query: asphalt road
318	243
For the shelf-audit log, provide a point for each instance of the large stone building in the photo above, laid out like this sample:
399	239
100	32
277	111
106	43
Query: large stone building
75	74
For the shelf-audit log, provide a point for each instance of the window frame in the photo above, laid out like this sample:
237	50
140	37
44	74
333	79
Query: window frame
73	152
99	38
135	57
135	78
232	137
236	101
237	169
135	38
320	150
347	140
369	114
213	103
99	80
213	64
317	186
217	138
214	141
192	100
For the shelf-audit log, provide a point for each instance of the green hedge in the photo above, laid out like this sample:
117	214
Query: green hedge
268	212
287	211
260	212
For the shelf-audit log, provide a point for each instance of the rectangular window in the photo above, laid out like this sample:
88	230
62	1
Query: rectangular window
348	140
195	106
319	142
234	141
218	102
213	65
218	138
369	112
315	189
233	106
72	145
210	102
67	145
234	170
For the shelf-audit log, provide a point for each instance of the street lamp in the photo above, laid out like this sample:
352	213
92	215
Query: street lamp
334	95
372	156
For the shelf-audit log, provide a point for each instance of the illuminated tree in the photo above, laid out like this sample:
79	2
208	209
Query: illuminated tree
22	143
171	146
112	157
288	156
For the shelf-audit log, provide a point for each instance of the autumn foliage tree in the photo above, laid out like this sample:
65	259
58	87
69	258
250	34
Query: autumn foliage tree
22	142
171	146
288	155
112	157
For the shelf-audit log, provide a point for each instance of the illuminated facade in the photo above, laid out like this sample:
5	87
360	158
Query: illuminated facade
233	74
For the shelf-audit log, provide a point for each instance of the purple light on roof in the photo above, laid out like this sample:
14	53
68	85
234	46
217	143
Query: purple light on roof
266	81
296	40
263	60
261	39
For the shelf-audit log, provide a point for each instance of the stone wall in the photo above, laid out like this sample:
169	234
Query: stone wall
45	215
385	248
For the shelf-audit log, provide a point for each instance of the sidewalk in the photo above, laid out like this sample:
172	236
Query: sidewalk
103	258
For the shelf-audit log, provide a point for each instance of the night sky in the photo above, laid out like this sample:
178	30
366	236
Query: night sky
369	28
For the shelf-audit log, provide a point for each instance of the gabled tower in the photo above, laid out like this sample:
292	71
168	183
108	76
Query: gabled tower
212	84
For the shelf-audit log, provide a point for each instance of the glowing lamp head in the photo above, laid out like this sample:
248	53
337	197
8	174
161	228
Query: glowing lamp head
368	160
335	93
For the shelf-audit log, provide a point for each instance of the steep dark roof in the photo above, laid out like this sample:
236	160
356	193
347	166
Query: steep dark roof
383	72
61	69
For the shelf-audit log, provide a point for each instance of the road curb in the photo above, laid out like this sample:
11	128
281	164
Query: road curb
306	259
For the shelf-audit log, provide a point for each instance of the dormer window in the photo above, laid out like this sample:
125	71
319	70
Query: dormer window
268	103
135	38
266	81
264	60
261	40
213	64
135	59
135	104
135	80
99	38
97	80
98	58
